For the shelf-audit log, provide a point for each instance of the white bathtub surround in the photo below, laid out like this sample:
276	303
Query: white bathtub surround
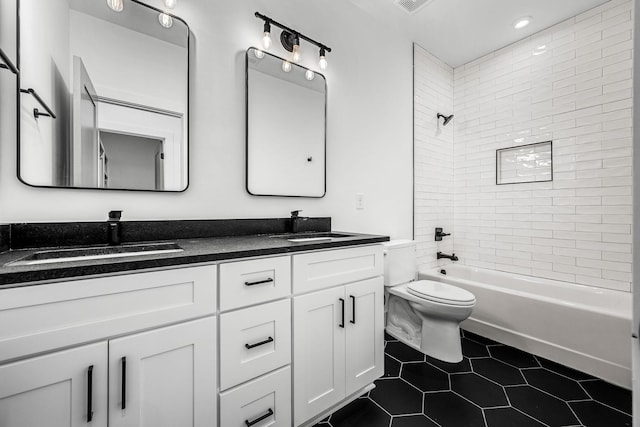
572	84
584	327
433	156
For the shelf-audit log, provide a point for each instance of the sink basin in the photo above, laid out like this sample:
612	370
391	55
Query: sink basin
311	237
103	252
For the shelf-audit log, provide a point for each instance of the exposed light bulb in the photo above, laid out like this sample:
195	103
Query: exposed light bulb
258	53
266	41
295	51
295	57
309	75
170	4
266	37
286	66
323	63
116	5
165	20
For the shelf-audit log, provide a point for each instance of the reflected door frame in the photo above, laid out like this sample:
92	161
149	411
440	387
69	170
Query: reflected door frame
142	121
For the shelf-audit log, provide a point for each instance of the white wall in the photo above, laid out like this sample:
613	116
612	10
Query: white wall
369	136
572	84
49	74
433	94
151	71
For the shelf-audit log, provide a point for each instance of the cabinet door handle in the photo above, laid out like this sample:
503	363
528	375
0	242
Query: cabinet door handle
259	282
342	304
90	394
353	309
268	340
260	418
123	362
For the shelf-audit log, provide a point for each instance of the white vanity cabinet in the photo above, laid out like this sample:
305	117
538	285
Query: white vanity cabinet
255	342
152	363
338	331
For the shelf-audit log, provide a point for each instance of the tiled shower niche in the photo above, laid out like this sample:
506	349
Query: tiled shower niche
525	163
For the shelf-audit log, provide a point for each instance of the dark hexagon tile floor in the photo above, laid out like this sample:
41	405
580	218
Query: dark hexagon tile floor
494	386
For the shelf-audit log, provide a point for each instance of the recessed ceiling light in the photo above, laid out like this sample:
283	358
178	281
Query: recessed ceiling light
522	22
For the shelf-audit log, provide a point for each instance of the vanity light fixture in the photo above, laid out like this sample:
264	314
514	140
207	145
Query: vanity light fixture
290	40
286	66
170	4
309	75
116	5
522	22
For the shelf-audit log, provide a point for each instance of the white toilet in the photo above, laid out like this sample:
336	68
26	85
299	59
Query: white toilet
423	314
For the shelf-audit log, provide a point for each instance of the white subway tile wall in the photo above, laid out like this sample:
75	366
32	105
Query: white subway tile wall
433	145
571	84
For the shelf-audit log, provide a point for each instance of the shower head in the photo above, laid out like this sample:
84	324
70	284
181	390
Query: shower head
447	119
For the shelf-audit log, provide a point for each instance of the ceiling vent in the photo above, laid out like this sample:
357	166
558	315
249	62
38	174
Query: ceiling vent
412	6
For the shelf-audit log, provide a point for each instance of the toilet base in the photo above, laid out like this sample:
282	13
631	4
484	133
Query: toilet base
434	336
441	340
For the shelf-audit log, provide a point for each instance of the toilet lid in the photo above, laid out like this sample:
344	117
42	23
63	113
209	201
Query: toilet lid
441	292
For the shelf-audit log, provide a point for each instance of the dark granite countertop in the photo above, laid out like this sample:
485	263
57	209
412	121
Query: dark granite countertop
196	250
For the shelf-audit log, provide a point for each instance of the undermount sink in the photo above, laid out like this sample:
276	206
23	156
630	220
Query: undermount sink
103	252
311	237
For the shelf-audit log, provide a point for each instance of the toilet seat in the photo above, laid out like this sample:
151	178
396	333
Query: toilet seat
441	292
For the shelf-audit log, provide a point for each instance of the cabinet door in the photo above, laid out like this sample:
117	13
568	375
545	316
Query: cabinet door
164	377
365	333
53	390
318	352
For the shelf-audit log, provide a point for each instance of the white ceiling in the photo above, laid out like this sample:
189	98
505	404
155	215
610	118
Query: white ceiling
459	31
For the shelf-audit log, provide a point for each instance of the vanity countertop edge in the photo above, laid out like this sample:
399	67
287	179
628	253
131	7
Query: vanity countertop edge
195	251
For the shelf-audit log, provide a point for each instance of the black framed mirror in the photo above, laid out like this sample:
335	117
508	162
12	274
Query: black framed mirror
104	95
286	127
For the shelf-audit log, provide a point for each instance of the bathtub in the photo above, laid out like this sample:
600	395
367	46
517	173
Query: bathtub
584	327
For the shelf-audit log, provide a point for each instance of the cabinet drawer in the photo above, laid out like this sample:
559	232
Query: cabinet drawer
245	283
319	270
268	396
44	317
254	341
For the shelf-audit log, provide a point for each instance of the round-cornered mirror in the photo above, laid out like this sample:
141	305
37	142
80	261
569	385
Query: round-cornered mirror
286	128
104	96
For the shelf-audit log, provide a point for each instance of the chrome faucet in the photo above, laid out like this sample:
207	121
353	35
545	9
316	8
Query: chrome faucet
452	257
114	236
296	219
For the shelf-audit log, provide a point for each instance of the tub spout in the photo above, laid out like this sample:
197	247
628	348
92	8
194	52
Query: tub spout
452	257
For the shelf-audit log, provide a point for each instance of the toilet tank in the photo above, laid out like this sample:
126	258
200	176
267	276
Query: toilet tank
399	262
